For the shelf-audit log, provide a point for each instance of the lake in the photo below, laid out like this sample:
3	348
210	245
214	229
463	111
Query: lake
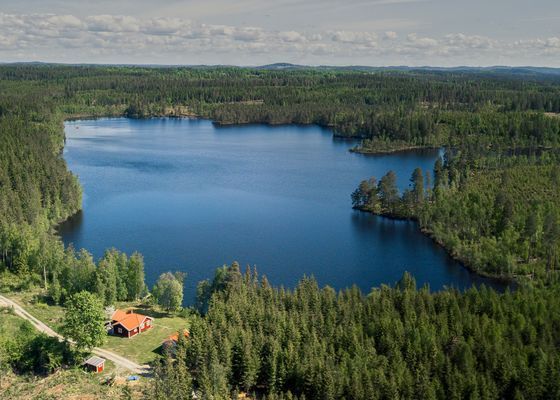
191	196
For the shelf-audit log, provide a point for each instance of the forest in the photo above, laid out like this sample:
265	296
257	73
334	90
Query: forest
399	342
499	215
493	203
390	110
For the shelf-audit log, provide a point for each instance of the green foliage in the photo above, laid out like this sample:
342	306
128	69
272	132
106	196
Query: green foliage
25	351
384	197
417	181
172	380
499	217
116	277
493	206
168	290
205	289
84	321
393	343
366	196
134	277
498	214
388	192
389	110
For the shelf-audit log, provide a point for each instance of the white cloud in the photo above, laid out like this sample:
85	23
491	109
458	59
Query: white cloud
64	21
421	42
247	34
112	38
391	35
474	42
553	42
112	23
291	36
163	26
354	37
549	45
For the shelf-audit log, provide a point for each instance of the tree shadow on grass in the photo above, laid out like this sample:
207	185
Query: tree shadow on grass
150	312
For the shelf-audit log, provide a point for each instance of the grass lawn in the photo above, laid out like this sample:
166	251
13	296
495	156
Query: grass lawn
9	324
144	347
31	300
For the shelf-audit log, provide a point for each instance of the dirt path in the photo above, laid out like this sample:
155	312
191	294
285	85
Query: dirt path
109	355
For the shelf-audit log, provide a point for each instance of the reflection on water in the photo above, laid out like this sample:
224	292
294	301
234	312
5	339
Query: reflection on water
191	197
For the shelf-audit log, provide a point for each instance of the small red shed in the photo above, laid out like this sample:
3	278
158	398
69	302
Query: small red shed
95	364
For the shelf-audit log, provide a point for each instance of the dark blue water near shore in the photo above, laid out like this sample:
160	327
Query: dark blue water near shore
191	196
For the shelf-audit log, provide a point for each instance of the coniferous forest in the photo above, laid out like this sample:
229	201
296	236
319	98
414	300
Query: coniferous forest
497	214
493	203
393	343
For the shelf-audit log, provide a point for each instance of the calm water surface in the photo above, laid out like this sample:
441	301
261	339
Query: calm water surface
191	196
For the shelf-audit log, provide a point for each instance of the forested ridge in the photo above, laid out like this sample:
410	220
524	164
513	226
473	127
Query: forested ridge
493	203
419	107
393	343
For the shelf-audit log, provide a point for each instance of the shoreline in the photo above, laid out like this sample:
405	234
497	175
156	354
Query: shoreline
404	149
426	232
191	115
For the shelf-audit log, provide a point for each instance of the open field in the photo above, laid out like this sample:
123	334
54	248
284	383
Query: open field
9	324
144	347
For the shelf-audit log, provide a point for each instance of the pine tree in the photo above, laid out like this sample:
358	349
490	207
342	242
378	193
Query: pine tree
135	277
388	192
417	181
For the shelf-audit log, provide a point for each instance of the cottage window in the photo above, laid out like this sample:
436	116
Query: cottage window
119	330
142	326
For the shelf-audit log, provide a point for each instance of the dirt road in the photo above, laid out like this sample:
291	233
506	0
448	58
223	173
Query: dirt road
109	355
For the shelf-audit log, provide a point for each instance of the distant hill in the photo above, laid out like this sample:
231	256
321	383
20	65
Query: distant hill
522	70
512	70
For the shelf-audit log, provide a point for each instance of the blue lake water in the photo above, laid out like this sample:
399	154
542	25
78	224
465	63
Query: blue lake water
191	196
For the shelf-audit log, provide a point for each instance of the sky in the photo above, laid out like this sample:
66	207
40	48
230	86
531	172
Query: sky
257	32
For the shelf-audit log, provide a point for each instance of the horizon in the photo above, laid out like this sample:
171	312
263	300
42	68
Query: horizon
411	33
281	64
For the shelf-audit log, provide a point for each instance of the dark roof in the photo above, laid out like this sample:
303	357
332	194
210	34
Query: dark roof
95	361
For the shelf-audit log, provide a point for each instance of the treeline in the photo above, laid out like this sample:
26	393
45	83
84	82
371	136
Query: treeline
383	197
64	272
499	214
36	188
399	342
116	277
399	130
417	106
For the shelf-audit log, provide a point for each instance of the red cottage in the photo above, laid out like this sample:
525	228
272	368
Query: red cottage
129	324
